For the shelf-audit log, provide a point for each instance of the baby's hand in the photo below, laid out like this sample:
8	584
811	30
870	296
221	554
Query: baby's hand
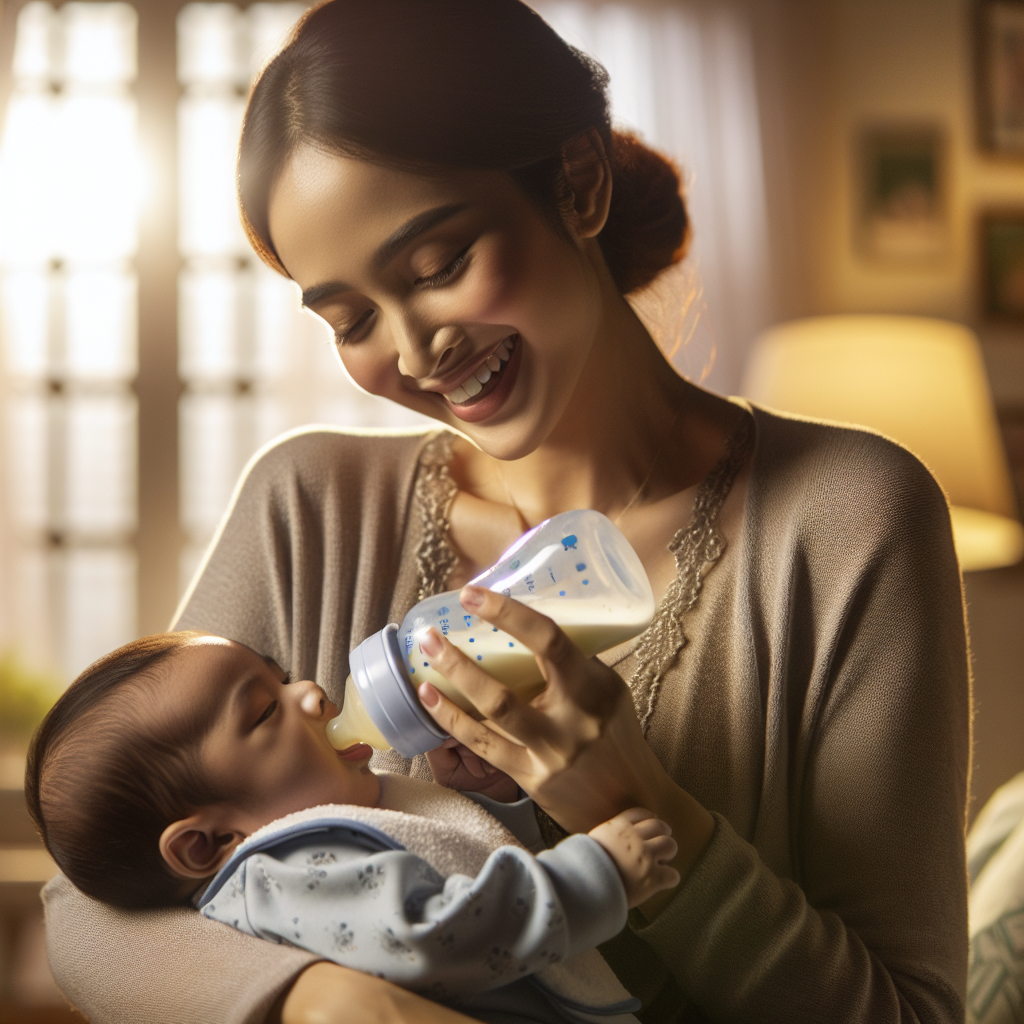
641	846
457	767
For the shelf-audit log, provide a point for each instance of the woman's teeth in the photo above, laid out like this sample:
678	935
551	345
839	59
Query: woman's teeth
474	385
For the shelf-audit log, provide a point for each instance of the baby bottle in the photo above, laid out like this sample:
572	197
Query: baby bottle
576	568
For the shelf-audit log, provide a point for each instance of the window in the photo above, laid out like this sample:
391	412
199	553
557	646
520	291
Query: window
69	190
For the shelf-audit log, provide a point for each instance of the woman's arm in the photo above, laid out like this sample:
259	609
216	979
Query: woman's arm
326	993
175	967
868	922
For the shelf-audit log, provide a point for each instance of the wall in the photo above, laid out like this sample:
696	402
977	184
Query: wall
826	68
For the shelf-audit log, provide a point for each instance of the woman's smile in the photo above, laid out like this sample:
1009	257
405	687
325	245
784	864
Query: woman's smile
482	391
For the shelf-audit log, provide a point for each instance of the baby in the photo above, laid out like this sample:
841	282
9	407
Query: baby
185	768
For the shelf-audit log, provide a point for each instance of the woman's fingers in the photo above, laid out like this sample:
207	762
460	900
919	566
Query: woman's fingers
493	700
562	663
539	633
509	757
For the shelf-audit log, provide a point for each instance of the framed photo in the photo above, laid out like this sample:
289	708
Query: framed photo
903	208
1002	265
1000	76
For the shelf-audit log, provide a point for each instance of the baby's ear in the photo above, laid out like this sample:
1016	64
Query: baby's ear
196	847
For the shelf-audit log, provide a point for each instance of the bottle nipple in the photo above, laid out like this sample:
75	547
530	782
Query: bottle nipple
354	724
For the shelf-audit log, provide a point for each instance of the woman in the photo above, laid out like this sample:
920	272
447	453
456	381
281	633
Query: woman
442	183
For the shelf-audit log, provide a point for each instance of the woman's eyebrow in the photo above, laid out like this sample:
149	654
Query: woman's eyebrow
411	229
388	249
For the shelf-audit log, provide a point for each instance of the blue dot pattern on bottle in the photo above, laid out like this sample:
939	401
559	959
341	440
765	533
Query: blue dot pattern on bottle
580	566
511	644
585	582
561	593
472	639
479	657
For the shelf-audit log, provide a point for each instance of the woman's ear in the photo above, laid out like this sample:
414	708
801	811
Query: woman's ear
589	176
197	847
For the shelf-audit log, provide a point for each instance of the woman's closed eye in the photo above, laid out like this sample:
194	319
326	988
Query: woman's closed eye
344	335
444	275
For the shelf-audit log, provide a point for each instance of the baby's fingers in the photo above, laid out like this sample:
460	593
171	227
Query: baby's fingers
651	828
661	878
661	849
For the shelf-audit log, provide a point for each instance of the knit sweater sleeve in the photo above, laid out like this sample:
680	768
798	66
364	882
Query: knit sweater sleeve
853	607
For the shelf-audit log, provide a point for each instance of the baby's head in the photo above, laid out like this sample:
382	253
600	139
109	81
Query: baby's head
163	756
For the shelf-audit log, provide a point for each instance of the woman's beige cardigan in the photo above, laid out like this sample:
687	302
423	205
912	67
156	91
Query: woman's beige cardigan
820	708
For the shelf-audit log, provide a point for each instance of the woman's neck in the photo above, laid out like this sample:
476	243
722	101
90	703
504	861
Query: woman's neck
632	421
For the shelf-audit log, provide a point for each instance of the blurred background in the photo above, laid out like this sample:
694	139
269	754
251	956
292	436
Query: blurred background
842	158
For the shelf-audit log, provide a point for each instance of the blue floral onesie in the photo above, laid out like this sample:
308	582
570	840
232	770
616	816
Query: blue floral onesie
405	896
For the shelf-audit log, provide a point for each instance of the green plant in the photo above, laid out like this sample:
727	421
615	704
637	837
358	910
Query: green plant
26	695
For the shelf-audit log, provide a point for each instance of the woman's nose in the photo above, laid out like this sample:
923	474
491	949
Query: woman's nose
427	353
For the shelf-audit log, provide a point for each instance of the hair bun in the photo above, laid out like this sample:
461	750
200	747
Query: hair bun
647	230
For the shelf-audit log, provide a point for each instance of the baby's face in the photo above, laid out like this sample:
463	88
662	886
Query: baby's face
267	748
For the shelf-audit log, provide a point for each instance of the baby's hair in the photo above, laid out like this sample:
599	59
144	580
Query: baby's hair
102	783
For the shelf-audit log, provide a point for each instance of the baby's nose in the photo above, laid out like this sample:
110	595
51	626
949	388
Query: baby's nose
314	701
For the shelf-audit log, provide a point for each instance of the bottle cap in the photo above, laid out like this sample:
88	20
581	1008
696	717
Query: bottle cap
379	675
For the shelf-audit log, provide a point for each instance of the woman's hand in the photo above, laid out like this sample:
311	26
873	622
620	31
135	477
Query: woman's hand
457	767
577	748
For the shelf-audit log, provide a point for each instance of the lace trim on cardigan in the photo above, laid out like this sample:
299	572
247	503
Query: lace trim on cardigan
435	490
696	548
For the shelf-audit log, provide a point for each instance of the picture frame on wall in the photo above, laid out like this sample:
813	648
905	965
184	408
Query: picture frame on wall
1001	250
903	214
999	49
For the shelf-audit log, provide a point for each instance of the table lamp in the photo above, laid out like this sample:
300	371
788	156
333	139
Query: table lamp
920	382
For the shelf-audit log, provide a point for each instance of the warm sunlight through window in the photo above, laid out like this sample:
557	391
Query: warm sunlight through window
69	193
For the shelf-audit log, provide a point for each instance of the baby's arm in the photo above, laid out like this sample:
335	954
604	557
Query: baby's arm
392	915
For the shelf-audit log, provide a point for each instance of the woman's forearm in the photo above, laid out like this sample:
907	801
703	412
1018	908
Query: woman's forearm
692	827
327	993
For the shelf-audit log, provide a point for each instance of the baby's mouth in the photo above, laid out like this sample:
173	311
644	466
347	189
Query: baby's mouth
356	752
486	377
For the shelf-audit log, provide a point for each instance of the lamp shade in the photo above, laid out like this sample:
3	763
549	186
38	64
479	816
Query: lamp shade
920	382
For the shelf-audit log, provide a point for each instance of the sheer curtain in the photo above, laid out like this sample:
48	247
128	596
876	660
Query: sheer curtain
682	77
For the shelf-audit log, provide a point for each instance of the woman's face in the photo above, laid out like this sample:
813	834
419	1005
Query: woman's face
450	294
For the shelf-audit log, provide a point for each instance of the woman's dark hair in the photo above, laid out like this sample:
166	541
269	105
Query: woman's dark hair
102	782
484	84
